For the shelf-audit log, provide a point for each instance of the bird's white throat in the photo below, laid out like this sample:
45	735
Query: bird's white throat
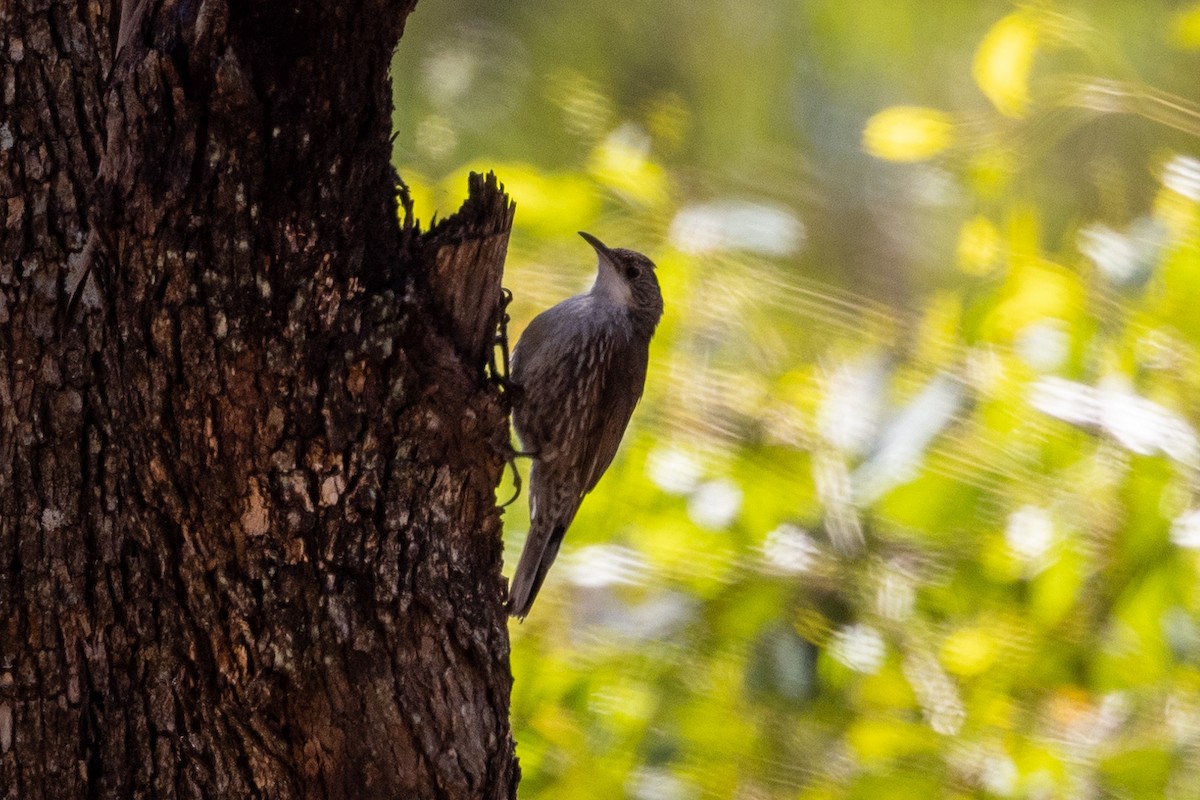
611	287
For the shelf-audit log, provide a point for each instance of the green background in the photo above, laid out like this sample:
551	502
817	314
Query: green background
910	507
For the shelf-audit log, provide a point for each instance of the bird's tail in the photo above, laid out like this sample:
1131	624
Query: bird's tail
541	547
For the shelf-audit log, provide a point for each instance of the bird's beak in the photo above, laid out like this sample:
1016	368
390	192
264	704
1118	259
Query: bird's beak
599	247
609	281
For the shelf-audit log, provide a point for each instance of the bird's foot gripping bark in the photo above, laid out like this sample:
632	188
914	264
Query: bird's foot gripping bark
512	464
511	455
498	369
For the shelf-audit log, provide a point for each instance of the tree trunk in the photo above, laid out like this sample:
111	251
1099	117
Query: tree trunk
248	537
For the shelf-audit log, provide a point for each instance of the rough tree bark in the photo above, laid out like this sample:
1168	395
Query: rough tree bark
248	537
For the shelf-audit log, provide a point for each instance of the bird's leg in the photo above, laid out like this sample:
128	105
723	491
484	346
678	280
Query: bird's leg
499	371
511	459
512	464
499	375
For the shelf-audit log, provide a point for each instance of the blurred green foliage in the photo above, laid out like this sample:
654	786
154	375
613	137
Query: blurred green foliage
911	506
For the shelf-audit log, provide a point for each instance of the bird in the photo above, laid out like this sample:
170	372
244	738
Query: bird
579	369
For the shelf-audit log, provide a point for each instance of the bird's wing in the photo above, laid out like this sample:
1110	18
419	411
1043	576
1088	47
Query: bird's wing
624	377
576	399
535	379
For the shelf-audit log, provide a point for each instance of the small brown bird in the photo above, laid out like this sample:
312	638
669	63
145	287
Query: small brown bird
579	369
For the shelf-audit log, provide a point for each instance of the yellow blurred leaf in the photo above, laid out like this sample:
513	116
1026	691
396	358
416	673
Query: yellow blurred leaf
420	191
551	204
555	723
908	133
1053	594
622	162
997	711
1185	28
1004	60
821	793
887	688
1036	291
1024	233
968	651
628	703
882	740
978	246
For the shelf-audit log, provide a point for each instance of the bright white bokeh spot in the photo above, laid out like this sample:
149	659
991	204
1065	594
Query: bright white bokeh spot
654	783
1124	258
790	549
1030	533
673	470
900	447
934	187
938	695
1185	530
999	776
1182	176
715	504
435	136
1069	401
859	647
1092	730
1044	345
1182	714
448	73
750	226
1144	426
896	595
1136	423
852	404
601	565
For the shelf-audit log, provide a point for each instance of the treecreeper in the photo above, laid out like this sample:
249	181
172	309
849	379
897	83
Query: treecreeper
579	370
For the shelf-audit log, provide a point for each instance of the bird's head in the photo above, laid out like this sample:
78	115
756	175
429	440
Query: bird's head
626	278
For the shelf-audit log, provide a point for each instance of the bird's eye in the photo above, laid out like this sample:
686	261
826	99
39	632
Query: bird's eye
632	272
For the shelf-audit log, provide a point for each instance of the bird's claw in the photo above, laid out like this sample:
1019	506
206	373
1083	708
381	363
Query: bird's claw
512	464
510	459
499	371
